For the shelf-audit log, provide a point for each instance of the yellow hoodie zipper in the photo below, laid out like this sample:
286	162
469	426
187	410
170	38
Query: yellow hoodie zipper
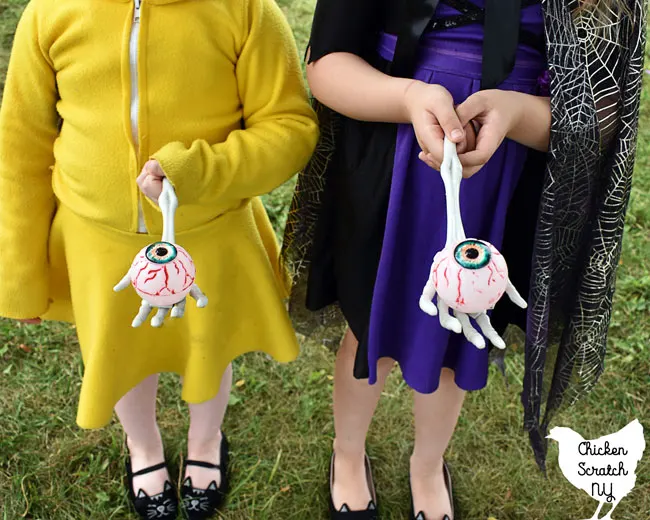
135	97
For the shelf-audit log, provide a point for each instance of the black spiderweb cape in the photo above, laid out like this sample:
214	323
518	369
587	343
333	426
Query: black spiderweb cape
595	60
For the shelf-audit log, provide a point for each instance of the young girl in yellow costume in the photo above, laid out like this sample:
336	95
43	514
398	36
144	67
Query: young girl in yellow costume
98	94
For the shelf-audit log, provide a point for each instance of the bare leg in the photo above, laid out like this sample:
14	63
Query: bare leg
204	436
436	416
137	414
354	405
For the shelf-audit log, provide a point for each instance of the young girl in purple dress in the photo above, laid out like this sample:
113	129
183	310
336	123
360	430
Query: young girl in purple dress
391	80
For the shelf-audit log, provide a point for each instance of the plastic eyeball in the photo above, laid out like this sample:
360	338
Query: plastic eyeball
470	276
163	274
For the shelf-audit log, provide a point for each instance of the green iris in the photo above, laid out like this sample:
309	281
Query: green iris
472	254
161	252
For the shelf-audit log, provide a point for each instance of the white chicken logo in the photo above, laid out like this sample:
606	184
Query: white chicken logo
604	467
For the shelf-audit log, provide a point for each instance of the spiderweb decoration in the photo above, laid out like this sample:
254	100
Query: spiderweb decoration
328	324
596	68
595	61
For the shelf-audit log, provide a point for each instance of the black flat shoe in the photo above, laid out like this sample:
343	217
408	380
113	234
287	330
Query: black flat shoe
201	504
370	513
420	515
163	505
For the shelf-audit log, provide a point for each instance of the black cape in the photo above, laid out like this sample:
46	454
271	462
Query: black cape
564	231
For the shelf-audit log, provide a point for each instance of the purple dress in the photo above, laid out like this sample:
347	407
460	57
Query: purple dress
416	219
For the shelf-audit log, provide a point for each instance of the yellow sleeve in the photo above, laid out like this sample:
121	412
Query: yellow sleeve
280	128
28	128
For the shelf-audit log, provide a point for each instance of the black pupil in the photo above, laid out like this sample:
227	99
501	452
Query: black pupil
161	251
471	253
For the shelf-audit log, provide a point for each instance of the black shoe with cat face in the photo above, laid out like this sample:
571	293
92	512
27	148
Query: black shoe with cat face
201	504
344	513
164	505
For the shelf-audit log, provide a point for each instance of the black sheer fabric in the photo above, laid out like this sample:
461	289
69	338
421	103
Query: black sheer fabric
565	226
596	65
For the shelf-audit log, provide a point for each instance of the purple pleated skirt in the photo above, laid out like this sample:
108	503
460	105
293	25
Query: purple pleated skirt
416	221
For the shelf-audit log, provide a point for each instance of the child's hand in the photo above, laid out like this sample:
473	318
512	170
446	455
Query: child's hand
150	180
468	145
497	112
432	114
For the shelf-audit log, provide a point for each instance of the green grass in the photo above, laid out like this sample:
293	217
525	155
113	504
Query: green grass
280	422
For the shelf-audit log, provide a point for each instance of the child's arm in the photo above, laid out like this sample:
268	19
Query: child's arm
524	118
533	126
351	86
28	128
280	132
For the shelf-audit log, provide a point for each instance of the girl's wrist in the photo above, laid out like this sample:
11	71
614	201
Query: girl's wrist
517	103
531	121
408	98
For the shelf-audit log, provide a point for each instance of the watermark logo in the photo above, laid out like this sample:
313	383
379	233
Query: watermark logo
606	467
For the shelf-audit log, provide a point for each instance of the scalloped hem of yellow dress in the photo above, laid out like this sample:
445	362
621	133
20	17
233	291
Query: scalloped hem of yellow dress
238	269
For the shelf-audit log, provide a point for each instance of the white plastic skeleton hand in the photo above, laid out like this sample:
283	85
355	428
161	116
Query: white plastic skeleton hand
177	311
168	204
451	171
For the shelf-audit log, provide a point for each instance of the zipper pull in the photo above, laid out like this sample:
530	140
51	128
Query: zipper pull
136	13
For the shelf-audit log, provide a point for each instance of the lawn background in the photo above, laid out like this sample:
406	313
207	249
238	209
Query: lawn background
280	423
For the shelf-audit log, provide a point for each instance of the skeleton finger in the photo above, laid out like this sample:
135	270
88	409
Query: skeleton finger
178	310
426	300
142	315
514	295
469	331
158	319
483	321
123	283
447	321
197	294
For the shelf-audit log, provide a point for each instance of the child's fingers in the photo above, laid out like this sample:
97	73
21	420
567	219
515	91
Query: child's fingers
488	142
429	160
425	158
445	114
152	167
473	107
468	172
436	165
140	178
422	146
151	186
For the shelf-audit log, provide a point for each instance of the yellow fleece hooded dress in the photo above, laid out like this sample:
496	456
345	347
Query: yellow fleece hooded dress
221	104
